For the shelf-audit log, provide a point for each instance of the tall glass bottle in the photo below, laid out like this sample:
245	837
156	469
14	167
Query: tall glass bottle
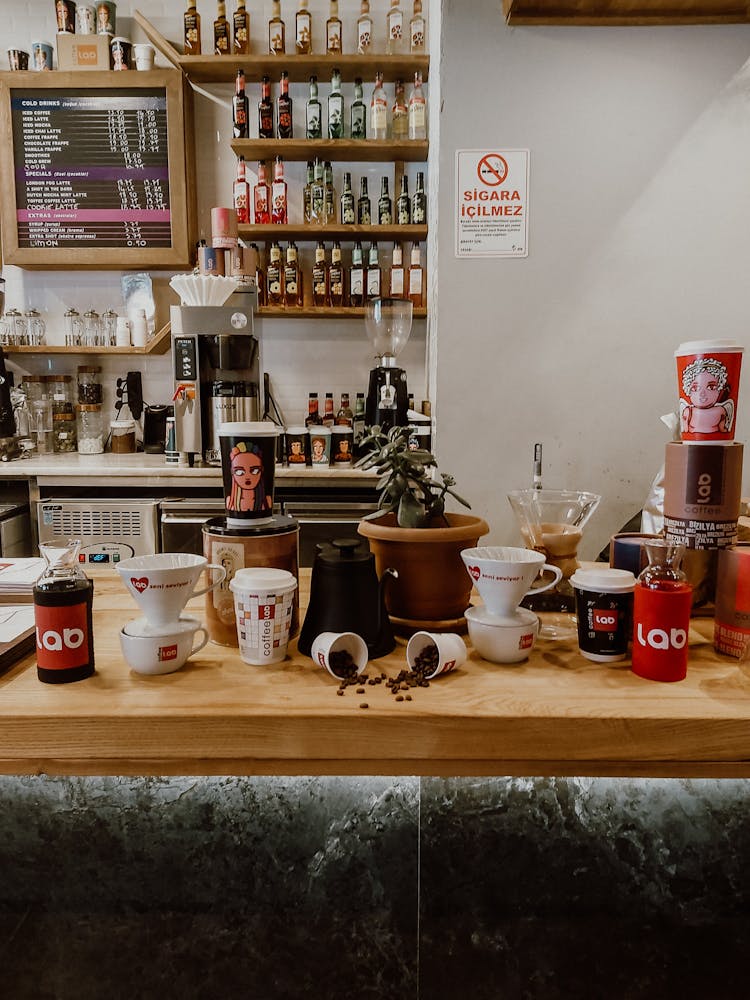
221	30
313	113
241	29
241	193
192	30
274	277
318	195
348	208
661	615
313	418
329	414
333	30
336	107
400	114
357	277
396	276
364	213
240	107
262	198
364	29
416	277
394	28
278	194
303	30
276	31
403	203
385	204
336	277
265	110
307	193
63	599
374	274
344	414
292	278
358	113
330	194
320	276
284	109
378	110
417	29
419	203
417	110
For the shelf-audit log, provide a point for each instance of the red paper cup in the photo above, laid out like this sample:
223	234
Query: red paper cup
708	380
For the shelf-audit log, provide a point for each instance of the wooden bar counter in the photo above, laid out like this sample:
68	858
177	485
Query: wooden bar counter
555	714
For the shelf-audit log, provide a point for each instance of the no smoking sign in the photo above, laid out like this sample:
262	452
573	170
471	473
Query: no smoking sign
492	202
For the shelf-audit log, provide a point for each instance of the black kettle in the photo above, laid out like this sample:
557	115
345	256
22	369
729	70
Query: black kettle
346	596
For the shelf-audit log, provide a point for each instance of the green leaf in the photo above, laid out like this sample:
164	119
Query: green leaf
410	512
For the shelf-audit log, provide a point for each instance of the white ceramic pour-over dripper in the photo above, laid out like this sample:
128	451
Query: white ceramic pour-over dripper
162	584
503	575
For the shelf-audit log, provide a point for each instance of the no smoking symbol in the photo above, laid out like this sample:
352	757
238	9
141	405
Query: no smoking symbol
492	169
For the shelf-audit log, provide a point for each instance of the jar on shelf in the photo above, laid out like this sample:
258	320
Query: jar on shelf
90	428
89	387
60	388
92	328
64	432
122	439
109	328
73	328
35	328
34	387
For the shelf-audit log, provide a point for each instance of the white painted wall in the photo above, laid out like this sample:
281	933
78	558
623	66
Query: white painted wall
639	239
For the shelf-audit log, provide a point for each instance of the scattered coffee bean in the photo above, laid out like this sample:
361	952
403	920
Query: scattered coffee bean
340	691
408	697
399	697
427	660
360	690
363	704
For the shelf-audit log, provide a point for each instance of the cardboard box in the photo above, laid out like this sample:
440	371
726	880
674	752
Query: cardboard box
82	51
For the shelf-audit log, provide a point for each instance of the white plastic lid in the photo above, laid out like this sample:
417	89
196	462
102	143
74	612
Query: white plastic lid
296	430
708	346
263	579
249	428
603	581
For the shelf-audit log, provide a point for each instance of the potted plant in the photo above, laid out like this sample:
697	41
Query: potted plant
412	532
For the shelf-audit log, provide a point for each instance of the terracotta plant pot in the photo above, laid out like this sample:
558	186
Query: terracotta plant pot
433	585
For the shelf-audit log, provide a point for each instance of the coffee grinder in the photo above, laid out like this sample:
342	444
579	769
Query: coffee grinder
388	325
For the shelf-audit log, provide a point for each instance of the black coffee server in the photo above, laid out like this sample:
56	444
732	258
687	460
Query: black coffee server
346	596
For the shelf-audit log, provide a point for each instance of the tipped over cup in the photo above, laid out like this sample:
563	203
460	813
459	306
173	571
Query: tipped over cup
342	654
162	584
504	575
430	654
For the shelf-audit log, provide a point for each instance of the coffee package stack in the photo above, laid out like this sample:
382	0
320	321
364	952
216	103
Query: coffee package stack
703	471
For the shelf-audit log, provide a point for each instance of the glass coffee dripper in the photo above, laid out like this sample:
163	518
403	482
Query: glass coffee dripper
552	522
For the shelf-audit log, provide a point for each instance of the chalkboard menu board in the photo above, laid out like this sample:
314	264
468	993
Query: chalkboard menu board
99	169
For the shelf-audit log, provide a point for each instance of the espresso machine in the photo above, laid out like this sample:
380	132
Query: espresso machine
388	325
218	373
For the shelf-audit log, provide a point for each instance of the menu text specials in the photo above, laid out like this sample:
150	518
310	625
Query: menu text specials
91	169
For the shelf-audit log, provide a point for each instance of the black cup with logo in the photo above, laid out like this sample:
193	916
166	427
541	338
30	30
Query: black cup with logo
604	608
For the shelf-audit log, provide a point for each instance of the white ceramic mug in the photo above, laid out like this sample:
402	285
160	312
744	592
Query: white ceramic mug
503	575
451	651
162	584
153	650
326	645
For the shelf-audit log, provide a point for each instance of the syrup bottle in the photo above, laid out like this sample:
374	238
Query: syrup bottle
661	615
63	598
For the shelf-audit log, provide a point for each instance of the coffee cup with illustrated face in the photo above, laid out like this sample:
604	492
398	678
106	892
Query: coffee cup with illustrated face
708	381
430	654
320	445
342	654
150	649
503	575
162	584
248	465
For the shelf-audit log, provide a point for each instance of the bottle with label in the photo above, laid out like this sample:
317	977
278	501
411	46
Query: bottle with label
364	29
241	29
274	277
241	193
348	210
265	110
221	30
357	277
378	110
661	614
336	278
303	30
307	193
320	277
262	198
344	415
330	194
396	278
373	273
358	113
417	110
240	107
278	194
192	33
63	600
336	108
359	421
399	114
292	278
260	276
313	418
394	28
385	204
333	30
329	417
403	203
284	109
364	214
318	195
419	203
416	275
313	113
276	31
416	29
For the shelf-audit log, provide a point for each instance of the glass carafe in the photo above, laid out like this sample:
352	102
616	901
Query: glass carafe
63	599
661	614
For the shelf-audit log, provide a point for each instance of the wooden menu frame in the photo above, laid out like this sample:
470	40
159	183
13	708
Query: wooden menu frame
180	164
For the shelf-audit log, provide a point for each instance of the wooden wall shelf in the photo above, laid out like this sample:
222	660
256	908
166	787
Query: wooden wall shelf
221	69
352	150
634	13
159	344
333	231
324	312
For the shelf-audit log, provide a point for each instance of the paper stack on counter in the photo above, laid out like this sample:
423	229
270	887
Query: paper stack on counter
16	633
18	576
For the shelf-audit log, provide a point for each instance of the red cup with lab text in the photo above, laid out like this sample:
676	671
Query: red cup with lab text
661	615
708	380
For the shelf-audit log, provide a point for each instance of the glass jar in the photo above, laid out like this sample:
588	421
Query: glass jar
64	432
109	328
60	388
16	327
89	387
90	429
33	386
35	328
122	440
92	328
73	328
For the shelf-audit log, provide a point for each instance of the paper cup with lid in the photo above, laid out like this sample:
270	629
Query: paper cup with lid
708	381
263	603
604	608
248	465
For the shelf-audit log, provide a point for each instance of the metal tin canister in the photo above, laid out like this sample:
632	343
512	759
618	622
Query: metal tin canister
732	616
223	228
702	488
